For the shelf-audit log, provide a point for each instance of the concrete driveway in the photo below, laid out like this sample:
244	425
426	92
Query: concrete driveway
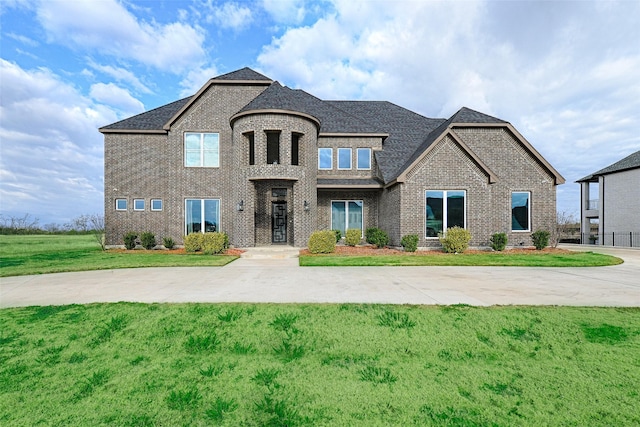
283	281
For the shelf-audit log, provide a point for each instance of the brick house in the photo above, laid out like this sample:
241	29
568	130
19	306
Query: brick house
268	165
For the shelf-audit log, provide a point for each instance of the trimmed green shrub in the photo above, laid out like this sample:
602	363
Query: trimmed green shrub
193	242
338	235
410	242
377	237
540	239
168	242
130	240
226	240
353	236
148	240
498	241
214	243
455	240
322	242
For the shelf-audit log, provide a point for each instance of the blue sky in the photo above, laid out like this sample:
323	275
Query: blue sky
565	74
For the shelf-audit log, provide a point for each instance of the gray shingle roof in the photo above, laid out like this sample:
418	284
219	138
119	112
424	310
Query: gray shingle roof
632	161
354	182
245	73
149	120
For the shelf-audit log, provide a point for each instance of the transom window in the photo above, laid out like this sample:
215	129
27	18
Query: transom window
520	211
344	158
325	158
202	150
445	209
364	158
346	214
202	215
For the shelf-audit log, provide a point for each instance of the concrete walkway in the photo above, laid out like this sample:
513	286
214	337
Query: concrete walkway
260	279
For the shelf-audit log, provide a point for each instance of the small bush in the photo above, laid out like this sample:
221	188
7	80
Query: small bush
168	242
540	239
410	242
338	235
498	241
455	240
148	240
193	242
377	237
130	240
322	242
353	236
225	236
214	243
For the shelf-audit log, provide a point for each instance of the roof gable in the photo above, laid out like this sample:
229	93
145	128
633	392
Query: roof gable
243	74
632	161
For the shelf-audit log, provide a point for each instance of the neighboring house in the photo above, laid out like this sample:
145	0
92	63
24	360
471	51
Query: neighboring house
610	204
269	165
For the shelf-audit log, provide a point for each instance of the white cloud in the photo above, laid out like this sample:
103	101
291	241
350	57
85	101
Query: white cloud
121	75
232	15
195	79
117	97
51	149
285	11
107	27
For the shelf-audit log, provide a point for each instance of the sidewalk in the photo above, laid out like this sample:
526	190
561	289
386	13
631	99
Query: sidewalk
283	281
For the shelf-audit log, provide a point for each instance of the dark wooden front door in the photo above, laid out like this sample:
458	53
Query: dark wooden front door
279	222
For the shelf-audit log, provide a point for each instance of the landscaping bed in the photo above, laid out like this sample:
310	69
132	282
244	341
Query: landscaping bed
364	250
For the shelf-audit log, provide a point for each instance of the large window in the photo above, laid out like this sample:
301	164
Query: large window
364	158
202	215
202	150
520	211
346	214
445	209
325	158
344	158
273	148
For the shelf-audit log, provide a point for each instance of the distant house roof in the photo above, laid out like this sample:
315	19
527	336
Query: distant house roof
632	161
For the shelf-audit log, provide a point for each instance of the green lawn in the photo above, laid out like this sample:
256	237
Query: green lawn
37	254
573	259
318	365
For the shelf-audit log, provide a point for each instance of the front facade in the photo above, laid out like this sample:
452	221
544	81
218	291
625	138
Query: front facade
610	202
269	165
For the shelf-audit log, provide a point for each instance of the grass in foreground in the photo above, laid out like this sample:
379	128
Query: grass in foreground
38	254
315	365
573	259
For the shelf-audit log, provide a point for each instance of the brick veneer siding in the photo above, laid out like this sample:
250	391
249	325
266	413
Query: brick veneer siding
488	206
354	143
389	213
370	199
621	203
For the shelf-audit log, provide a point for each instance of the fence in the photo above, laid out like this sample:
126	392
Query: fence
629	239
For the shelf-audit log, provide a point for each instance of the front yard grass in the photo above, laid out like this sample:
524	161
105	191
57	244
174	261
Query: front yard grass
505	259
39	254
318	365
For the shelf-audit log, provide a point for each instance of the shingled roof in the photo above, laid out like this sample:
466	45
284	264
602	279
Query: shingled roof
151	120
632	161
245	73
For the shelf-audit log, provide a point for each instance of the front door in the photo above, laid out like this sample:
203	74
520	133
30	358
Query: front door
279	222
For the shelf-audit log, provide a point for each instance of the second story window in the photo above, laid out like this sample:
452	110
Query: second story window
273	147
344	158
295	149
202	150
252	147
364	158
325	158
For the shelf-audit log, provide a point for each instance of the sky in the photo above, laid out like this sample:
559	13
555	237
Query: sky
566	74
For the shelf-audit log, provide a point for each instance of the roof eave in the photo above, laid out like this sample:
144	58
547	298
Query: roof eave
133	131
275	111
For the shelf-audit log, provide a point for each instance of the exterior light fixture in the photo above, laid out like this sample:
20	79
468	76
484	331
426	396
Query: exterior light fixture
307	206
240	206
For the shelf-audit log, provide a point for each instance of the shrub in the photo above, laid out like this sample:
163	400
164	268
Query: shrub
130	240
338	235
353	236
214	243
322	242
540	239
498	241
148	240
455	240
410	242
193	242
377	237
226	240
168	242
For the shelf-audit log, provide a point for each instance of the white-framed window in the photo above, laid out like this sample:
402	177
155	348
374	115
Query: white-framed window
325	158
121	204
344	158
138	204
520	211
202	150
364	158
347	214
202	215
444	209
156	204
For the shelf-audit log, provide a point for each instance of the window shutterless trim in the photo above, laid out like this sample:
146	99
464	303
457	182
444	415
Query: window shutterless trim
135	205
445	209
528	193
201	150
330	158
125	205
350	158
346	214
358	158
156	200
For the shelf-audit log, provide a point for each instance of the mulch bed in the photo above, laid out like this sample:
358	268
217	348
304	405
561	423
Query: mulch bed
372	250
176	251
